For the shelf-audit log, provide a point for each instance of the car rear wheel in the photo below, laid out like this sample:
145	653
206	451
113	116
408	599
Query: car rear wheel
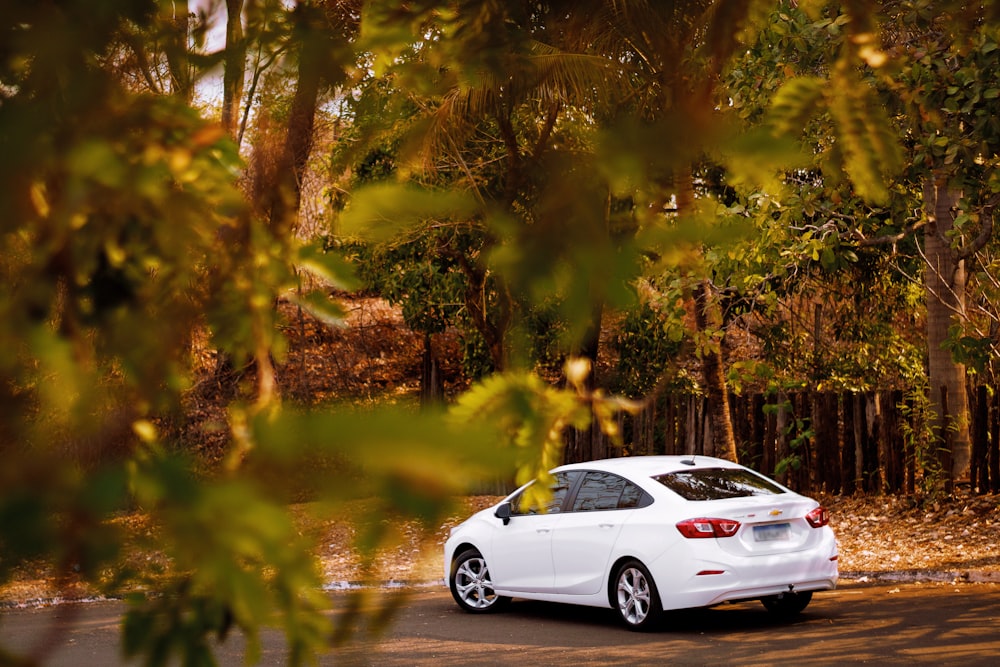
472	586
787	604
634	596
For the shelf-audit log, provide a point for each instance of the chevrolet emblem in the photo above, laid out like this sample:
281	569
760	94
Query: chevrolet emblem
775	512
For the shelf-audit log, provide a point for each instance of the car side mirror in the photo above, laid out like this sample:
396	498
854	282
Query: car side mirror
503	513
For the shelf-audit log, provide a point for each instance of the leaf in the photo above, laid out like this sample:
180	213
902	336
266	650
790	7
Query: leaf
329	265
795	103
871	152
758	158
382	212
530	416
425	456
321	306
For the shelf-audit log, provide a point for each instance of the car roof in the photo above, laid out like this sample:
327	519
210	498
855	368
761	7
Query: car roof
649	466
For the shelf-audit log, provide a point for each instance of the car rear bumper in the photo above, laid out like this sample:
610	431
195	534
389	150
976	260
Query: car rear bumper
711	582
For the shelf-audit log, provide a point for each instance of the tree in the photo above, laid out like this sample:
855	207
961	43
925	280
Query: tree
947	67
495	126
125	232
177	19
571	64
234	73
679	61
928	76
114	253
322	32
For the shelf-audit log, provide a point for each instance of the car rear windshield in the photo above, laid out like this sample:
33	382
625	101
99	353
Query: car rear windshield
717	483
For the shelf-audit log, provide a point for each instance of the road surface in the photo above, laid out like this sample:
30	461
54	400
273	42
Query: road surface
931	623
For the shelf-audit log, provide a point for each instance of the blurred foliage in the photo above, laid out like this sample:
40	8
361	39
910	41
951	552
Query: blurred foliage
533	415
649	343
513	168
905	85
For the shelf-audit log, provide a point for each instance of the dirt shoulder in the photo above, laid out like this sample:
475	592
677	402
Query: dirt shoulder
880	538
889	537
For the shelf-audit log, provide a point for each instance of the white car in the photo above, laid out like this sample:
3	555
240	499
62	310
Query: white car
645	534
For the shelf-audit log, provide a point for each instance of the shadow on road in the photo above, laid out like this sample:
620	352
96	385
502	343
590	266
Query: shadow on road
882	624
931	623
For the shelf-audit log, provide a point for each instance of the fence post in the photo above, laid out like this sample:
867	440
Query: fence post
994	456
980	472
831	443
848	454
769	443
909	453
944	451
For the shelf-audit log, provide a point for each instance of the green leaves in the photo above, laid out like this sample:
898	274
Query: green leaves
333	272
374	452
234	559
867	147
796	103
530	416
383	211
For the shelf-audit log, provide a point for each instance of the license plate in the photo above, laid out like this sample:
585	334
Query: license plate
771	532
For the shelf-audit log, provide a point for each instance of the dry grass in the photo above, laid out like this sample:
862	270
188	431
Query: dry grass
879	537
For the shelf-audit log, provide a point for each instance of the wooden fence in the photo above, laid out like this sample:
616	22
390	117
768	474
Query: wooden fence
842	443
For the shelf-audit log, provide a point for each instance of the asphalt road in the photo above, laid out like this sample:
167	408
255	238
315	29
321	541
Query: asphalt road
942	624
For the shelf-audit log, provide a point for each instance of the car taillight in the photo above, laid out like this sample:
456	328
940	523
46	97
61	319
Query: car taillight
818	518
698	528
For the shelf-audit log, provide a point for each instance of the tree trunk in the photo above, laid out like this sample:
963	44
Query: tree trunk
860	428
283	204
489	311
944	281
431	386
706	318
782	450
318	36
234	68
181	81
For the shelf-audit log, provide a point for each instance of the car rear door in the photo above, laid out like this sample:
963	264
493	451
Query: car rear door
583	541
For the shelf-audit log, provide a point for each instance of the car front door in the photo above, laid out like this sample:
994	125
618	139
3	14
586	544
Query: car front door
522	550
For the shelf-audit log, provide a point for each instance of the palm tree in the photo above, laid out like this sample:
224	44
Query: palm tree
677	51
537	83
530	78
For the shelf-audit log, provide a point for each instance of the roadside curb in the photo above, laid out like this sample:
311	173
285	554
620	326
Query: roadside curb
391	584
916	576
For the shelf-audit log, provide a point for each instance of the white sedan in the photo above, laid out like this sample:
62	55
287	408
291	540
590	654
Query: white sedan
645	534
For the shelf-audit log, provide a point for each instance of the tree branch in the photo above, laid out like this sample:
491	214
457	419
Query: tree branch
513	155
543	136
986	215
888	239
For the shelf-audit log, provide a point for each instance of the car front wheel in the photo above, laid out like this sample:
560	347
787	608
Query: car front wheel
787	604
634	596
472	586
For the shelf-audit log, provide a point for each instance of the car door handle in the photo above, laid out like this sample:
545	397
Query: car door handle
542	530
605	525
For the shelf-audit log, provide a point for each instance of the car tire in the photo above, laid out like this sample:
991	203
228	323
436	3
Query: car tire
472	586
787	605
633	595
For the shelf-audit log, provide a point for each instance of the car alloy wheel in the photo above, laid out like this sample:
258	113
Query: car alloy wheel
471	584
635	596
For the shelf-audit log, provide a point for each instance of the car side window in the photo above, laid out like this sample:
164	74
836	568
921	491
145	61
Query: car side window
604	491
633	497
519	505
